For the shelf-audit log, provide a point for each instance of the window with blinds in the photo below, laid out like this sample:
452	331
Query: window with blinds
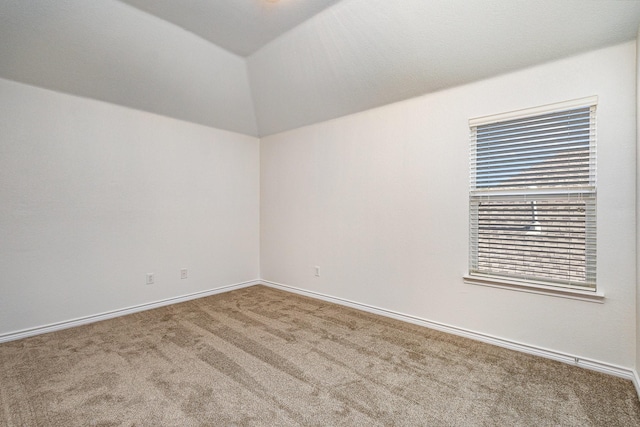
533	195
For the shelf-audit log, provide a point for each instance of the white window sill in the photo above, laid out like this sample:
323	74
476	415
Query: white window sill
534	288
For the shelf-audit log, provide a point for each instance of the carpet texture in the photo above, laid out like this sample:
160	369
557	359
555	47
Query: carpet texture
263	357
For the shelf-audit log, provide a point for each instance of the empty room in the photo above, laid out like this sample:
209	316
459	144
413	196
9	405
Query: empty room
319	213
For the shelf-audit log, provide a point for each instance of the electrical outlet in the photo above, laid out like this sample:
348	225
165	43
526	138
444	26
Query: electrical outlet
150	278
317	271
183	273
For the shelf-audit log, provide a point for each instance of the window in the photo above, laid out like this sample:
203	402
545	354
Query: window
533	196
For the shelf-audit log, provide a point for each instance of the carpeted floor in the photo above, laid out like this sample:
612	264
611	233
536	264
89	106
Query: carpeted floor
263	357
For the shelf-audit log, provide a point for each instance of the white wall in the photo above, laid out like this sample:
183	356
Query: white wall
93	196
638	205
379	200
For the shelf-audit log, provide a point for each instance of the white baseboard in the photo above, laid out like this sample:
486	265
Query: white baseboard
11	336
594	365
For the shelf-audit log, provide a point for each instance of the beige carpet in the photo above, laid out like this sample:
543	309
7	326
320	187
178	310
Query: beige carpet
262	357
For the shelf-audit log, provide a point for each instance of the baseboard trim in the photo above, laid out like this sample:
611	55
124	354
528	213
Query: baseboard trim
574	360
24	333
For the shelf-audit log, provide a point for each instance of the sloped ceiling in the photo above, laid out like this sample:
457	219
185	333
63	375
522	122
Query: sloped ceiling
107	50
308	60
240	26
361	54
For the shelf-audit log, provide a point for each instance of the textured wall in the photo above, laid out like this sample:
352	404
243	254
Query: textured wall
379	200
93	196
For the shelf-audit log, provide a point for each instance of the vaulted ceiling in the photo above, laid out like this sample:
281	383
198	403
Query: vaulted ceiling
260	67
239	26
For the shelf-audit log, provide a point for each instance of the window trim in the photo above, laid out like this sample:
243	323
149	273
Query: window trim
534	287
527	112
531	285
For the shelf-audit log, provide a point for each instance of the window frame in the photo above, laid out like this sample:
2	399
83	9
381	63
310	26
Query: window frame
588	289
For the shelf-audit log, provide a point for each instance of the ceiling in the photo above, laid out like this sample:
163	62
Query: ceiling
259	67
239	26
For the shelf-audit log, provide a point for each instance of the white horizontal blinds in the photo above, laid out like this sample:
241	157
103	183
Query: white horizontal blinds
537	239
550	150
532	199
